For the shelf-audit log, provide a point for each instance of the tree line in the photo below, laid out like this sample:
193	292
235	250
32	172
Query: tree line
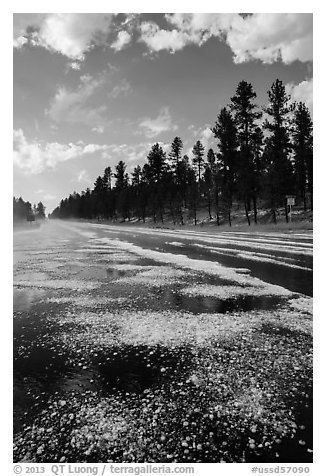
24	211
257	164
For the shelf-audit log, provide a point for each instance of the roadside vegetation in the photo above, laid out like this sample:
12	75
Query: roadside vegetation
262	157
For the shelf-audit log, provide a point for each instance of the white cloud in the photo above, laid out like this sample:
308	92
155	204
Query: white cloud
123	39
266	37
162	123
24	22
99	129
48	196
71	106
71	34
20	41
158	39
206	137
33	157
123	88
132	154
83	177
271	36
302	92
74	65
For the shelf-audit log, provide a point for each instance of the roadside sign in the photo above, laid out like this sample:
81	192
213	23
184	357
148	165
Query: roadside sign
290	202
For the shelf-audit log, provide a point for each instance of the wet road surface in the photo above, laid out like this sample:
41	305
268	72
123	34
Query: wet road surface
157	345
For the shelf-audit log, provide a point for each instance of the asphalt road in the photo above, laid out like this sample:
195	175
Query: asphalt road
135	344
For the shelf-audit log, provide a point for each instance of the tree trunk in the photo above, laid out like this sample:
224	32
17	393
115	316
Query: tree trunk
254	201
171	211
246	209
209	205
311	195
216	207
181	216
229	214
286	212
304	201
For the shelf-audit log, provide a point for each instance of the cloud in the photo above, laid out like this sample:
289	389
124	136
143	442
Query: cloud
23	24
72	106
132	154
74	65
123	39
83	177
49	196
162	123
99	129
302	92
271	36
71	34
33	157
129	153
158	39
123	88
267	37
206	137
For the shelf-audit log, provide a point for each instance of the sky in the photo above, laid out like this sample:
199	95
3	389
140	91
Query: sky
92	89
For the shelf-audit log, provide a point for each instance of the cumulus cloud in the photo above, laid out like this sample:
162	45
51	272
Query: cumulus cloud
266	37
158	39
206	137
72	105
302	92
271	36
71	34
33	157
162	123
23	25
123	39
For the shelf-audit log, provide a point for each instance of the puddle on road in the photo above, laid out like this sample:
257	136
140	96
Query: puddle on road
128	369
24	299
115	273
296	280
135	368
171	299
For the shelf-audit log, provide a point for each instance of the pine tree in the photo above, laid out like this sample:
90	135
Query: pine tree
198	152
215	180
122	190
40	211
279	170
107	177
175	156
226	133
156	175
245	116
303	151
